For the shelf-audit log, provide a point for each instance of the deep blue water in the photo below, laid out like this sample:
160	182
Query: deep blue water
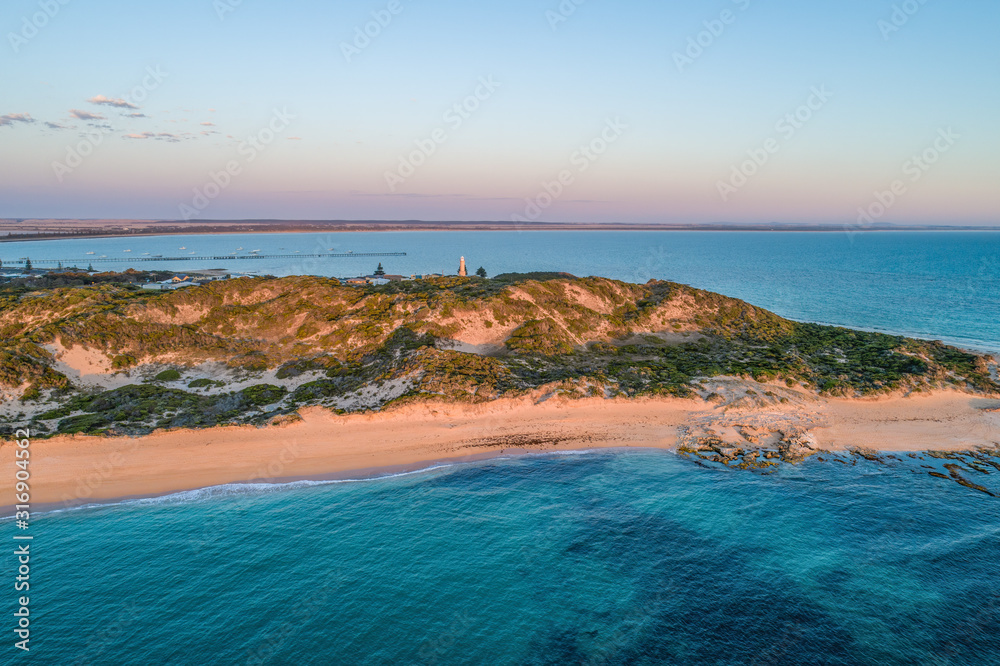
612	557
938	285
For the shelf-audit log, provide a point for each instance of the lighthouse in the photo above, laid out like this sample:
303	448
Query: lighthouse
461	267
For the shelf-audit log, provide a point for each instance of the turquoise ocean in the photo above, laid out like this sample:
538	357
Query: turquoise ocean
605	557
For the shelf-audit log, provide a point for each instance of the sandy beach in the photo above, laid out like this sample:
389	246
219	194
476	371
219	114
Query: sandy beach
69	470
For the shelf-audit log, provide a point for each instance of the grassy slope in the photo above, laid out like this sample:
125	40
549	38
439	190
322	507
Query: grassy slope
591	334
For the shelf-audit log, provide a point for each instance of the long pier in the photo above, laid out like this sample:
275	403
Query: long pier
221	257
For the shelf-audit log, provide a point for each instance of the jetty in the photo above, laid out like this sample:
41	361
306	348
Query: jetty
213	257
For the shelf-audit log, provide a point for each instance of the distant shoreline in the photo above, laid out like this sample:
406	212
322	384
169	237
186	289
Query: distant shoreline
25	230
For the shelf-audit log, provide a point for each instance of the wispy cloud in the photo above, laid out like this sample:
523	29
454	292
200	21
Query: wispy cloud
208	124
137	115
111	101
59	126
294	138
158	136
85	115
11	118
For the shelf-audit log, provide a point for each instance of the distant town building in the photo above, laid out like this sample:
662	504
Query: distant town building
374	279
168	284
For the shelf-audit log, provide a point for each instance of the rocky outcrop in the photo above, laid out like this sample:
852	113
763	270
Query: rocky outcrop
765	446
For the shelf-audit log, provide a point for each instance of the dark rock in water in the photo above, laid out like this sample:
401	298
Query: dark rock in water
943	455
867	454
795	443
985	457
953	469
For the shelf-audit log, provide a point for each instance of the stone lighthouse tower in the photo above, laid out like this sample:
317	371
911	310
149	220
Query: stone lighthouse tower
461	267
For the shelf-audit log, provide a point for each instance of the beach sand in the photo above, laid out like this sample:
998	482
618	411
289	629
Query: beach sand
68	470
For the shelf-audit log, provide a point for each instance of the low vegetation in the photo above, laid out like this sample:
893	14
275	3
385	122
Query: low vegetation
320	342
139	409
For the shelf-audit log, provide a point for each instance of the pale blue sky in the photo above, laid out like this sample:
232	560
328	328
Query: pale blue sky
686	130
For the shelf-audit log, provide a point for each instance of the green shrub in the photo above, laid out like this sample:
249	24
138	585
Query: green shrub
307	330
85	423
206	383
541	336
123	361
57	413
263	394
171	375
317	390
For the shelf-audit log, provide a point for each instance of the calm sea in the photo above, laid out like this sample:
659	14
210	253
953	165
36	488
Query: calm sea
612	557
939	285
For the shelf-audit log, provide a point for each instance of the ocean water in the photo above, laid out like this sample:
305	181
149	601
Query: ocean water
936	285
609	557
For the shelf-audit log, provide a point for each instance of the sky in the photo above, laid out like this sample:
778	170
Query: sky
827	111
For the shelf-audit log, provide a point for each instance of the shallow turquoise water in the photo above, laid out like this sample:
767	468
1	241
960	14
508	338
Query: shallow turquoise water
612	557
939	285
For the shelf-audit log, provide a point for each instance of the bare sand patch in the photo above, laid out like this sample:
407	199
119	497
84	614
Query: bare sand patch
87	367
